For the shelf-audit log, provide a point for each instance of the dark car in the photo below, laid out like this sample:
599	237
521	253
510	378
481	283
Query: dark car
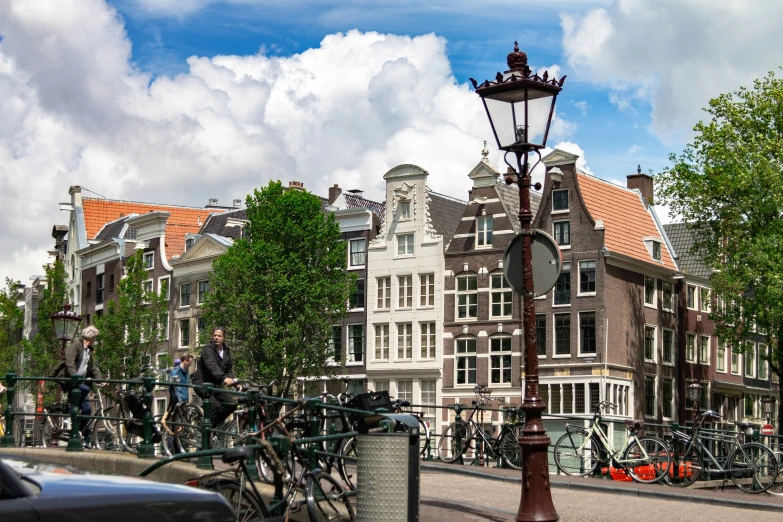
27	495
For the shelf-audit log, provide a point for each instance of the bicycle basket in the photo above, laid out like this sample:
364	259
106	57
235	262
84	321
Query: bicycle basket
369	401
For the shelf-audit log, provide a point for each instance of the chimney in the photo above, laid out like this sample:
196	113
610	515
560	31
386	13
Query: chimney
644	184
237	203
298	185
334	193
212	202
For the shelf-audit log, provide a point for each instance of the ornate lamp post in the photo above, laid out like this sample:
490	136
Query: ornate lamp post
520	106
65	324
694	390
766	405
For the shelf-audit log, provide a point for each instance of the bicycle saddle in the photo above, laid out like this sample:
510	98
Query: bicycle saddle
402	403
240	453
635	425
743	425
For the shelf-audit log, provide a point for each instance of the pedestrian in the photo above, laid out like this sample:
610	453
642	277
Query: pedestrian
217	368
79	360
180	374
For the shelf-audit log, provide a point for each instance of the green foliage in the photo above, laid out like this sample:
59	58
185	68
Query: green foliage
42	353
279	291
728	185
133	325
11	324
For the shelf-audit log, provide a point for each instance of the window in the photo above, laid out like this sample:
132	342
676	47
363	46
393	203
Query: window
99	289
467	297
405	290
649	291
563	286
428	396
587	277
595	396
704	350
404	340
667	296
148	260
384	292
541	334
184	332
405	391
562	334
734	362
720	361
484	231
88	290
562	230
555	394
427	340
559	200
750	406
147	286
111	282
690	299
427	296
543	391
649	343
500	360
690	347
667	390
184	294
357	298
163	287
188	243
405	245
358	252
705	299
501	296
466	361
203	290
568	398
656	250
380	386
200	325
579	397
355	343
668	346
649	396
587	332
336	342
405	209
381	342
763	362
750	360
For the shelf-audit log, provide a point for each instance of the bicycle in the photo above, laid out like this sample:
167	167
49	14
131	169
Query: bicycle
579	451
19	432
777	487
751	466
132	408
459	437
52	429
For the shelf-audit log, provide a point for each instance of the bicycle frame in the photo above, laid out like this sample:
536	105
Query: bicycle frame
696	441
594	431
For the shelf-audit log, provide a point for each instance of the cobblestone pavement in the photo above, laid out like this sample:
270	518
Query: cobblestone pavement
485	499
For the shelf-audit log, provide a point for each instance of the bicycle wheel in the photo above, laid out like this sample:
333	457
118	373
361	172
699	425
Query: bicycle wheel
576	454
124	432
244	503
20	440
327	500
453	442
424	437
510	450
686	468
225	440
753	468
186	422
346	464
777	487
647	459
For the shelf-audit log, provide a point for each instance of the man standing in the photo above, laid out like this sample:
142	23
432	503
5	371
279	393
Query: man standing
79	360
217	368
180	374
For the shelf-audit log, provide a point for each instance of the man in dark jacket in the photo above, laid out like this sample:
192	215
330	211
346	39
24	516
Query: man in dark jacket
216	367
79	360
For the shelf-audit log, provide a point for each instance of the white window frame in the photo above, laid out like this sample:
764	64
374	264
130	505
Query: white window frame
762	364
199	301
731	361
427	297
655	396
504	290
168	326
718	358
407	241
705	307
351	266
467	293
381	348
673	405
151	256
457	356
405	350
709	350
351	356
157	359
656	244
654	303
179	333
753	352
405	210
670	307
429	413
384	292
502	354
428	340
556	355
160	286
695	297
654	343
405	297
554	288
579	352
695	336
568	202
538	336
408	393
673	348
364	296
339	350
190	294
483	232
554	235
579	292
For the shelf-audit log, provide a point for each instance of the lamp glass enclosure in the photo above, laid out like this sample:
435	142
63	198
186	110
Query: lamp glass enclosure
693	392
766	405
65	324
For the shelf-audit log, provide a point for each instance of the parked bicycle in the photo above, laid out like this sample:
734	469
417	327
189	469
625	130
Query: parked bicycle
52	427
19	433
751	466
581	450
463	437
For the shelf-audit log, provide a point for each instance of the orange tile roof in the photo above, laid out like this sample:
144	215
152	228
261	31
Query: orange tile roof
183	220
626	219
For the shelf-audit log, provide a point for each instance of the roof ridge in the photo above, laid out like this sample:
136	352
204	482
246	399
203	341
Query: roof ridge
155	204
365	199
444	196
614	185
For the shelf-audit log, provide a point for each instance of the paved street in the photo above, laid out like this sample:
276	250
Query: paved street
493	500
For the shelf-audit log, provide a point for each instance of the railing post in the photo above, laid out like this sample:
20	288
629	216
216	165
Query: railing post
280	444
8	439
250	427
146	448
205	461
75	442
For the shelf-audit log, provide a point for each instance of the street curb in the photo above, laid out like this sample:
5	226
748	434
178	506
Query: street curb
603	488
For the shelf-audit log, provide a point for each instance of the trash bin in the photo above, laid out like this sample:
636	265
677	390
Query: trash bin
388	469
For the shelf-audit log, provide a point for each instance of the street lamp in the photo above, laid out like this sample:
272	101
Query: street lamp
766	405
520	106
65	324
694	390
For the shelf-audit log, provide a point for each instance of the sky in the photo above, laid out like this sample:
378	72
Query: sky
179	101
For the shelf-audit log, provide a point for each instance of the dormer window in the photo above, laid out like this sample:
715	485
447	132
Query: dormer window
656	250
188	243
559	200
149	260
483	231
405	209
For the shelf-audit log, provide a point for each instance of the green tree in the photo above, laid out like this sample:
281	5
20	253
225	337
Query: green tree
279	290
728	186
11	324
43	352
133	325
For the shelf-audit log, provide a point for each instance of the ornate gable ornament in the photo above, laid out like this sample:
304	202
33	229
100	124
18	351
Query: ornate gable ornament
559	157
